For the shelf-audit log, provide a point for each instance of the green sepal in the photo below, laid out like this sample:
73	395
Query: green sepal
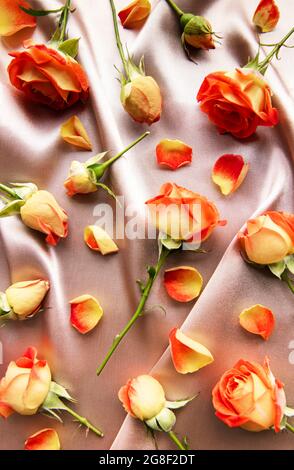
24	190
61	392
32	12
169	242
277	268
11	208
6	313
108	190
163	421
70	47
289	412
174	405
289	260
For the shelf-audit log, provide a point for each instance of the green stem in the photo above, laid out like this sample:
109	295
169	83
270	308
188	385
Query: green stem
289	427
9	191
176	441
118	41
175	7
262	66
144	296
84	422
288	281
64	20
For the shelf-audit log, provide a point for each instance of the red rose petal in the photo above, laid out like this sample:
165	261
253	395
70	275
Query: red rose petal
183	283
229	172
46	439
13	19
173	153
85	313
258	320
266	15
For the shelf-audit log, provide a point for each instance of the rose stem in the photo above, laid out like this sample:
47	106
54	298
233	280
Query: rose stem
144	297
118	41
262	66
120	154
176	440
289	427
175	7
64	19
8	191
84	422
288	281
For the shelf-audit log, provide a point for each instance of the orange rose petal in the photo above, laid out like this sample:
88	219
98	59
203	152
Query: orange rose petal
266	15
173	153
74	133
46	439
258	320
85	313
134	15
98	240
183	283
188	355
12	18
229	172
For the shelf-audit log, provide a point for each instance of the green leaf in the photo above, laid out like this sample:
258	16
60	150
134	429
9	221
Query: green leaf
277	268
289	260
60	391
70	47
32	12
174	405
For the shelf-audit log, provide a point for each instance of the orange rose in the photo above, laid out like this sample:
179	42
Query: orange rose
41	212
25	386
249	396
48	76
182	214
269	237
237	102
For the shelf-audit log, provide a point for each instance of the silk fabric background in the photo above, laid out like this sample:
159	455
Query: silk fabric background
31	150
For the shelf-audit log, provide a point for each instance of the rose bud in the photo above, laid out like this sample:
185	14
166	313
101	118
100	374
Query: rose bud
48	76
237	102
41	212
249	396
268	238
134	15
141	99
197	32
80	180
266	15
13	19
25	385
25	298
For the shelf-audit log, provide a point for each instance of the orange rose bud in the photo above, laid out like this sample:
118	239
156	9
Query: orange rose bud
258	320
25	298
141	99
135	14
266	15
183	283
98	240
188	355
25	385
229	172
46	439
237	102
85	314
74	133
48	76
173	153
249	396
197	31
13	19
41	212
268	238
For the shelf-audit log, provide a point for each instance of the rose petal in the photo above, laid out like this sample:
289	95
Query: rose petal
229	172
98	240
46	439
258	320
12	18
188	355
266	15
85	313
134	14
173	153
73	132
183	283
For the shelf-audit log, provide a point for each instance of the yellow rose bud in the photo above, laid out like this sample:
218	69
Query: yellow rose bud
25	298
141	99
41	212
79	180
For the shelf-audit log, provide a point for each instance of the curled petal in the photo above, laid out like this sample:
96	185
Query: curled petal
258	320
183	283
173	153
134	15
188	355
46	439
12	18
85	313
266	15
73	132
229	172
98	240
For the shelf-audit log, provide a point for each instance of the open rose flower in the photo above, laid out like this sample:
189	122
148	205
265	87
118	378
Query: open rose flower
182	214
41	212
47	76
266	15
250	397
12	18
25	385
237	102
25	298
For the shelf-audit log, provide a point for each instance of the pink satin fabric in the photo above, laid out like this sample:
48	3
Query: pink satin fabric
31	150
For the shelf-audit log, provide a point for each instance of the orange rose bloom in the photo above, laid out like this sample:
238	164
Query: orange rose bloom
249	396
237	102
183	214
268	238
48	76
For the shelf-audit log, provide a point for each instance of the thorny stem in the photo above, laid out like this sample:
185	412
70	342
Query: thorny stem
262	66
118	41
84	421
